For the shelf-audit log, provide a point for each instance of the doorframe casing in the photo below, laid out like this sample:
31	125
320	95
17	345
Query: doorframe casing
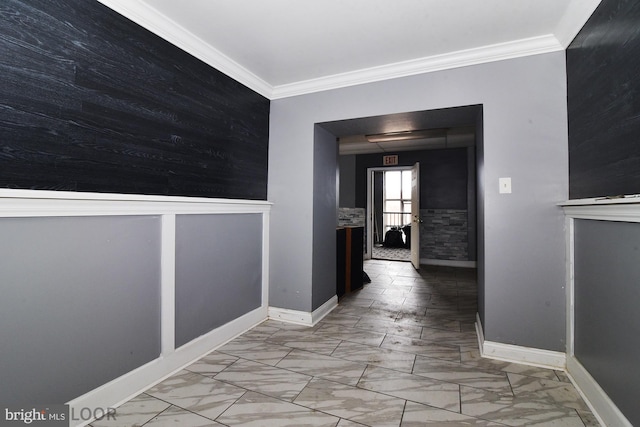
369	210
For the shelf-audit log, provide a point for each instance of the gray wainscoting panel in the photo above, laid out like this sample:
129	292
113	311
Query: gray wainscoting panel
607	319
79	306
218	271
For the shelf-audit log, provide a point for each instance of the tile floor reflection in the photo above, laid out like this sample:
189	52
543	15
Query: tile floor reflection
400	352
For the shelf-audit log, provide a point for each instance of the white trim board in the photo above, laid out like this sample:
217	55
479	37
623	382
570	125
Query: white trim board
303	317
40	203
519	354
463	58
629	212
524	355
598	401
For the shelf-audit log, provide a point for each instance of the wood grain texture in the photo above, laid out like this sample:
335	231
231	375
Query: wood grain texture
90	101
603	80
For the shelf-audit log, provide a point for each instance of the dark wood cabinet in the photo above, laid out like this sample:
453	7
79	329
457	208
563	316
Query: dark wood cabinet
350	258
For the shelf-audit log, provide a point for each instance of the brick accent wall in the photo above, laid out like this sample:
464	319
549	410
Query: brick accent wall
351	217
444	234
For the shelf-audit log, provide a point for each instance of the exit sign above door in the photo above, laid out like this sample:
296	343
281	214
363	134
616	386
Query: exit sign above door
390	160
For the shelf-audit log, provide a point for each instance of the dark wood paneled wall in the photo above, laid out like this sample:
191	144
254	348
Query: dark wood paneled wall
90	101
603	76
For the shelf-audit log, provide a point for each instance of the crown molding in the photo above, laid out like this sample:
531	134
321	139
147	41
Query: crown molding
159	24
575	16
162	26
463	58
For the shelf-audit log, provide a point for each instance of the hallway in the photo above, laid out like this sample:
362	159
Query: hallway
401	352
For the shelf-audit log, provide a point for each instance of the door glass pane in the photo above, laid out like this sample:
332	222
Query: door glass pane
393	206
392	184
406	184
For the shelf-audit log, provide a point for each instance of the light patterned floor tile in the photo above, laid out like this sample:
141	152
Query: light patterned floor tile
418	415
468	339
389	327
135	412
258	351
471	357
326	367
203	395
421	347
179	417
516	411
265	379
457	373
363	406
383	357
305	341
429	322
558	392
401	351
347	423
412	387
212	363
350	334
260	332
340	319
257	410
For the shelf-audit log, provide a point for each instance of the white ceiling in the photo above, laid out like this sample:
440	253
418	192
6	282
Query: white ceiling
287	47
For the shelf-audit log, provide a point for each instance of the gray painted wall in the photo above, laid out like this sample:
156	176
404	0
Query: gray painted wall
525	138
80	303
472	204
607	319
481	188
218	271
325	216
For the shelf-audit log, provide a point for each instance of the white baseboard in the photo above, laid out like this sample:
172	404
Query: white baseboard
131	384
479	332
326	308
303	317
519	354
599	402
525	355
448	263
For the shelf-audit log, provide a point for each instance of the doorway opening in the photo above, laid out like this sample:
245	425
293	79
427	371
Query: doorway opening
392	204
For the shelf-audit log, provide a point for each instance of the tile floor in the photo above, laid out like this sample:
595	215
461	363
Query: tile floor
400	352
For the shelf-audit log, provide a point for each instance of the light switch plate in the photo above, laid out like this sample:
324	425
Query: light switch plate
505	185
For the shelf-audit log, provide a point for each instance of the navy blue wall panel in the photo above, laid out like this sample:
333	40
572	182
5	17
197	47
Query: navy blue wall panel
603	81
90	101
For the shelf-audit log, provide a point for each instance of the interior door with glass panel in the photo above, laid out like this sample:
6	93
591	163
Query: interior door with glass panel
397	207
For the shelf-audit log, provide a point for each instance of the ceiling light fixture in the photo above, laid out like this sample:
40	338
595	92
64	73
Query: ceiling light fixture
406	135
